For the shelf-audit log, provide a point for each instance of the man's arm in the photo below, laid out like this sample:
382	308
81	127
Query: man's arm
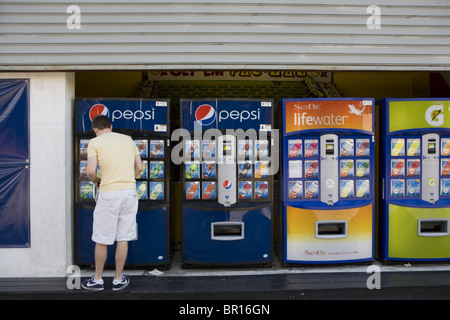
138	167
91	170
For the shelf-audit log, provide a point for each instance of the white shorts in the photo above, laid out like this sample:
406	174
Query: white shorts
115	217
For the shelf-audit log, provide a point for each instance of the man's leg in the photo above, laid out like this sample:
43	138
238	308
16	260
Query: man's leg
101	252
121	257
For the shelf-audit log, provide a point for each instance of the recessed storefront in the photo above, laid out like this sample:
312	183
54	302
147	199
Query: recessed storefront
178	50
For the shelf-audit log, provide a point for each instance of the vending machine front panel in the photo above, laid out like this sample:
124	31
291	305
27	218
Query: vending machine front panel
328	171
415	173
146	121
227	189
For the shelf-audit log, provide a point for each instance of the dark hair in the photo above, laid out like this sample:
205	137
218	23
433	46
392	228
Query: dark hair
101	122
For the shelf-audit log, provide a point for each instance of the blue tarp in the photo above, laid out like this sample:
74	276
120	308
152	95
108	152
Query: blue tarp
14	164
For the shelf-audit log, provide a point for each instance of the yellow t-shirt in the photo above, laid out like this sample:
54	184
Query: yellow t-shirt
115	157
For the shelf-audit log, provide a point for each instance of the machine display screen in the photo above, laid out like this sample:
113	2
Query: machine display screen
432	147
329	147
227	148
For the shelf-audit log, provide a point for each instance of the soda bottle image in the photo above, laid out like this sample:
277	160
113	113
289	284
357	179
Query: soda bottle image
191	192
143	174
296	190
311	169
413	147
362	190
445	147
363	167
142	144
86	191
445	187
156	170
261	170
362	148
192	170
398	147
413	167
244	150
157	148
294	150
208	191
446	167
413	187
346	148
244	171
397	170
157	189
192	147
262	149
83	166
84	143
260	191
346	169
208	151
312	190
244	190
207	170
397	187
141	190
348	188
311	149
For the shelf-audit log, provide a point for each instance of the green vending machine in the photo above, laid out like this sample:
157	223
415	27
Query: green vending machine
415	180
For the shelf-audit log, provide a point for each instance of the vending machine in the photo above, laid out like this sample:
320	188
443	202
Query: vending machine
227	180
147	122
328	180
415	179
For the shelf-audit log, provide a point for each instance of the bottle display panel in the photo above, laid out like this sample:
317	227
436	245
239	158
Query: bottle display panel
406	166
304	167
252	170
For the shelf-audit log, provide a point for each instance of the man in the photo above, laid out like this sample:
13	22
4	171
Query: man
115	211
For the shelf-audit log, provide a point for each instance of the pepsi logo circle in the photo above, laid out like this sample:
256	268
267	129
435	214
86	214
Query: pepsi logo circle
227	184
98	109
205	115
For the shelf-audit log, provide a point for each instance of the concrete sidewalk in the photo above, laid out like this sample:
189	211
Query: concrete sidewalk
403	281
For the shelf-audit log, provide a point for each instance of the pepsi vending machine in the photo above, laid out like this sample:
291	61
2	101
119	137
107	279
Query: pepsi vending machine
415	174
147	122
227	199
328	180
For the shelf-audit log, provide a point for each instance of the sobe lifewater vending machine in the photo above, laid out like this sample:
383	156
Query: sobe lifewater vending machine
227	198
147	122
328	180
415	174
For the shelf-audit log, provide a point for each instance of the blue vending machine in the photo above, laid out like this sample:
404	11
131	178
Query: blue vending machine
415	180
328	180
147	122
227	194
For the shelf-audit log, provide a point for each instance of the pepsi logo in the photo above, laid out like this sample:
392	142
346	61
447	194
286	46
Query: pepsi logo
227	184
205	115
98	109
